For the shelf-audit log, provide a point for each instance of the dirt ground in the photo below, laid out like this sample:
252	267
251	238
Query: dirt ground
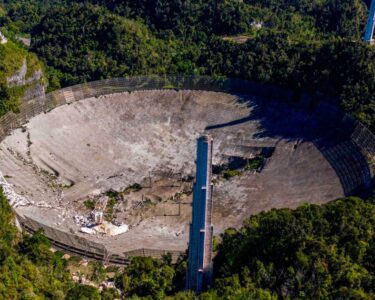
85	149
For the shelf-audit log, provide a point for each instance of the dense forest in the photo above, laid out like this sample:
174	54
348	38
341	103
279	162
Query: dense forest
28	268
313	252
315	46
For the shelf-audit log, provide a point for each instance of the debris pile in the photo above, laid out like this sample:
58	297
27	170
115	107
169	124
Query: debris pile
95	223
81	220
14	199
106	228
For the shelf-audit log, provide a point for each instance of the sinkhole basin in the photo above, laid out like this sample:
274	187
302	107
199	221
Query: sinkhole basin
139	147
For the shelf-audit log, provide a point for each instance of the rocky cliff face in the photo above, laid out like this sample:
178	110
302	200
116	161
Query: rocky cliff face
19	77
28	76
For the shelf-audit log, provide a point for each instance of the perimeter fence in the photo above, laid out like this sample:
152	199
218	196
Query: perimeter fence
35	106
359	136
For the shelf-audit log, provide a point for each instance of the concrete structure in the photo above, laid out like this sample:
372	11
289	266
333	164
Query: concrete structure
79	142
370	24
199	273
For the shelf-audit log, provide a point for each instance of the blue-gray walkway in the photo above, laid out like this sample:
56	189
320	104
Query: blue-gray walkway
370	23
199	272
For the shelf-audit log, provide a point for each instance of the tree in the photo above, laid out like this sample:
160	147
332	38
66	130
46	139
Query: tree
83	292
311	252
145	276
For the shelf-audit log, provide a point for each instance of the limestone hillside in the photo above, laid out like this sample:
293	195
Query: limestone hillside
21	76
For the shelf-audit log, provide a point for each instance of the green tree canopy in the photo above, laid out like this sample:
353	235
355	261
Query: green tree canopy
312	252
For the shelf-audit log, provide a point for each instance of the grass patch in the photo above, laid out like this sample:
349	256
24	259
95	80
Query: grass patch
89	204
75	260
33	65
255	163
227	174
112	194
112	269
11	59
11	98
109	209
169	87
98	272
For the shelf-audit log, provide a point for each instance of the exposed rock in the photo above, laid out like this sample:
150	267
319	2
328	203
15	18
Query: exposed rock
33	82
18	78
25	41
36	90
3	39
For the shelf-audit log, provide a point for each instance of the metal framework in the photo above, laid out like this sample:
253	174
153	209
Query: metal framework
199	273
369	34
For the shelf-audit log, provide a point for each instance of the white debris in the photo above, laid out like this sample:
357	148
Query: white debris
25	41
82	279
87	230
43	205
257	25
107	285
116	230
96	192
106	228
14	199
3	39
66	256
